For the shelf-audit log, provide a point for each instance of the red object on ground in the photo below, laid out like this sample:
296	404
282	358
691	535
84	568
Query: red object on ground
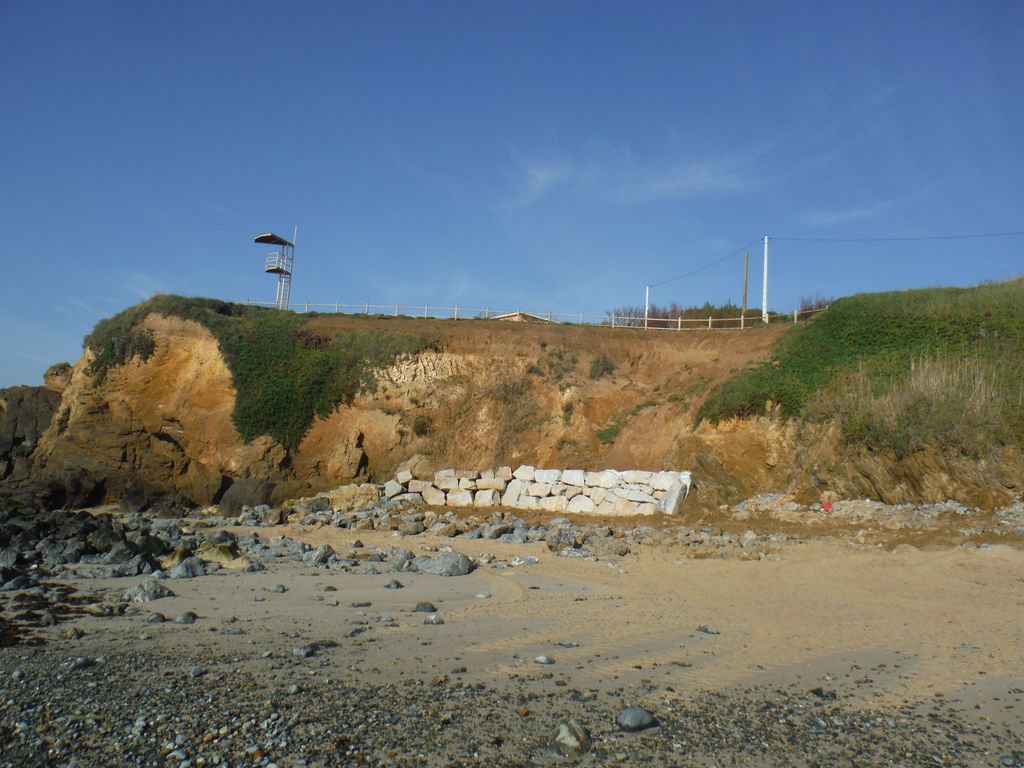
827	506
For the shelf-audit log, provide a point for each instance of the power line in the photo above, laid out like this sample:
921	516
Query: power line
896	239
707	266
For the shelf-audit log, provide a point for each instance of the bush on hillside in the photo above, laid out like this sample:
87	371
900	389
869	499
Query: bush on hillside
601	367
59	369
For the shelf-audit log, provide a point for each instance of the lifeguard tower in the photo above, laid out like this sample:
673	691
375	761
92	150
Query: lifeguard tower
280	263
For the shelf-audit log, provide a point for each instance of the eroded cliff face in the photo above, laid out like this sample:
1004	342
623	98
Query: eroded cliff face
487	394
810	462
163	425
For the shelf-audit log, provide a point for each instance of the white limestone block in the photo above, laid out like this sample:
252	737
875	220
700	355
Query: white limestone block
459	499
632	494
662	481
540	490
525	473
674	496
575	477
488	498
554	504
624	508
550	476
513	491
581	505
432	496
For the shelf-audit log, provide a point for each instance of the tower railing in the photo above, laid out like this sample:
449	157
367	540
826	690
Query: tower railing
277	262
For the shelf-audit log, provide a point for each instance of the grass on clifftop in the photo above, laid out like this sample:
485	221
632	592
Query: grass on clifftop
940	367
284	377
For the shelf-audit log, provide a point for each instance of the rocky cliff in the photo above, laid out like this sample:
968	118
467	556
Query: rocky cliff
484	394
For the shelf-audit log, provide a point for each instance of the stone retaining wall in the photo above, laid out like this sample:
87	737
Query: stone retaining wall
610	492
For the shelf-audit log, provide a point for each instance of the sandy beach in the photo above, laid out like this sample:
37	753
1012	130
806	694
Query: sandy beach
863	631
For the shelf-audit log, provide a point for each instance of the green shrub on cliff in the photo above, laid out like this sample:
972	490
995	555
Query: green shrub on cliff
899	370
284	375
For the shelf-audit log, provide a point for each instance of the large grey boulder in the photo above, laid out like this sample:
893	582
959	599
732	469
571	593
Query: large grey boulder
495	530
147	591
450	564
248	491
189	568
560	537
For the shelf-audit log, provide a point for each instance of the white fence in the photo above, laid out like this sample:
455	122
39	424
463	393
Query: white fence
750	320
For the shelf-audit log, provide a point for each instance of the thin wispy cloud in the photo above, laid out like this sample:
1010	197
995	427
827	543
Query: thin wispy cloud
533	179
683	181
836	132
141	285
830	218
614	174
215	207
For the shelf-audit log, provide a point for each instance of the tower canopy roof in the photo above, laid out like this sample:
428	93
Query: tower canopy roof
269	238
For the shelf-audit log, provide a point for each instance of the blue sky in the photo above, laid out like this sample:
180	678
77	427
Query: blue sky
535	155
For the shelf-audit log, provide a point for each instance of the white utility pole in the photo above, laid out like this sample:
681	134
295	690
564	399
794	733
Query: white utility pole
647	304
764	291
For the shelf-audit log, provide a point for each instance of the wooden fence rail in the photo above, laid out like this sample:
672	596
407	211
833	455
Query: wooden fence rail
751	320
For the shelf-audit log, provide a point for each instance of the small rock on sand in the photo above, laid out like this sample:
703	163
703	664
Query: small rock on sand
633	719
570	739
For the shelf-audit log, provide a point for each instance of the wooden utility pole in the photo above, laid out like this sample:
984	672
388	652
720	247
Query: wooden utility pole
746	265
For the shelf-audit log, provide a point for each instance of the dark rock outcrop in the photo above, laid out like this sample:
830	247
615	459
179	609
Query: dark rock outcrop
25	412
